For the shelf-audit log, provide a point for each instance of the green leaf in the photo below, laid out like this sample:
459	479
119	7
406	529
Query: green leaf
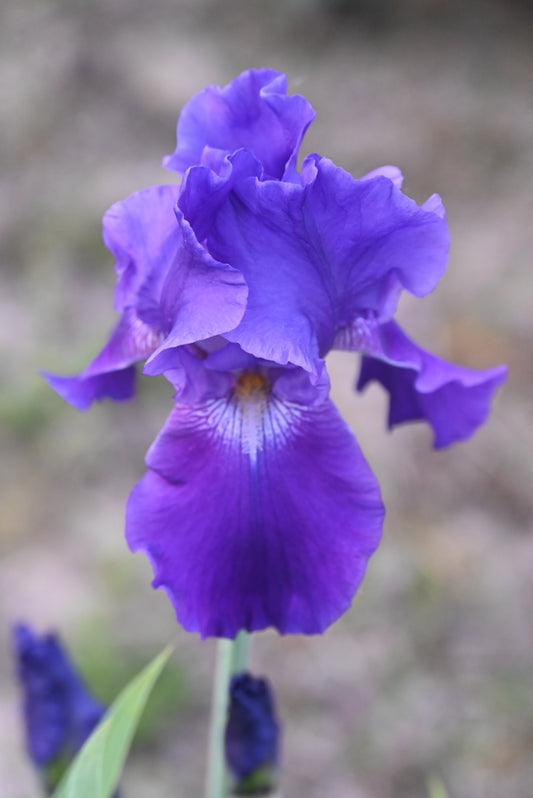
96	770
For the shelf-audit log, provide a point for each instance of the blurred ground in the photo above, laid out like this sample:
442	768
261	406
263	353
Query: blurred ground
430	672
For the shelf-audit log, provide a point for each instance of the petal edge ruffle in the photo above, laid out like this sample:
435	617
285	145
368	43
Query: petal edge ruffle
236	533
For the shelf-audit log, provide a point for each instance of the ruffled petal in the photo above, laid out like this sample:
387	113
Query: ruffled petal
143	234
111	374
254	112
379	237
455	401
314	255
201	298
389	171
256	512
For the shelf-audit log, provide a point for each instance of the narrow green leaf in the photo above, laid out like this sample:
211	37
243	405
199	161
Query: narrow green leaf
96	770
436	788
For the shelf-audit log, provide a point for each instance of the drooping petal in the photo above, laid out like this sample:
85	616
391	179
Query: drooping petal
111	375
254	112
81	392
143	234
314	255
455	401
188	298
256	512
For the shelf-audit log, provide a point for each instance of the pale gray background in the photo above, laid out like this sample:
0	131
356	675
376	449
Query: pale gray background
430	672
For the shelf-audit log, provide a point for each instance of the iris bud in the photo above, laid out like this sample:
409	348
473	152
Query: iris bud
252	736
59	711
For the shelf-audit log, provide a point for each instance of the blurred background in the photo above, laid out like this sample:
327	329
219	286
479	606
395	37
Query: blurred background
430	672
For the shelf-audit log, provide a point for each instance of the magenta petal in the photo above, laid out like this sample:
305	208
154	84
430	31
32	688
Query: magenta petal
454	400
252	112
256	514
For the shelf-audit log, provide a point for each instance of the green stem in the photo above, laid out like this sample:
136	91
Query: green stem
241	646
230	659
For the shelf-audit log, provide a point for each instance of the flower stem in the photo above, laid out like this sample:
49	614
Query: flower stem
230	659
241	646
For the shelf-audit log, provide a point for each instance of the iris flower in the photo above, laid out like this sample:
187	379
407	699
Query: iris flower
258	508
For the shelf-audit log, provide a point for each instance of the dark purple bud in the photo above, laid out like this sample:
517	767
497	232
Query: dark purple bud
59	711
252	735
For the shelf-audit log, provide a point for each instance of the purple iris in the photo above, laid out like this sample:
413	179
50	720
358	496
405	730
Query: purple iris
258	508
252	735
162	270
59	711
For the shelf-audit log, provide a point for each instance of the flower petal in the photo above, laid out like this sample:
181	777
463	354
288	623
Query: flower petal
201	298
254	112
392	172
255	514
314	255
455	401
377	234
143	234
111	374
81	392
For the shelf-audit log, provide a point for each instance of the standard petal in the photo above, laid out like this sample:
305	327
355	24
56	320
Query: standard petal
315	255
254	112
378	235
455	401
392	172
111	374
256	513
143	234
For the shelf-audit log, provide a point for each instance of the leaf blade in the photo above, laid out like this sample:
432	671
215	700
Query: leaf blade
96	770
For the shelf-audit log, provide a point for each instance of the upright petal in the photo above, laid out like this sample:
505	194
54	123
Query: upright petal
455	401
314	255
378	235
254	112
256	512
